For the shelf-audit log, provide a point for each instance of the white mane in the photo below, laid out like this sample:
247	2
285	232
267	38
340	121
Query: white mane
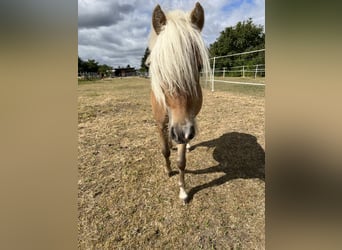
176	54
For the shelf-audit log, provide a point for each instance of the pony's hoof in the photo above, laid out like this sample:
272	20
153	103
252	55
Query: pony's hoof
188	147
183	195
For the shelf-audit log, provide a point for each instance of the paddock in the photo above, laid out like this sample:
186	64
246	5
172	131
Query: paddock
125	199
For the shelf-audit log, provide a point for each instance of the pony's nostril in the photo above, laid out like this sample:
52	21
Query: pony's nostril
192	132
173	134
177	135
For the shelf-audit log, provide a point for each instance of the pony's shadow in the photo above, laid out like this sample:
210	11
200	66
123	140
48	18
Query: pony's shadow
238	155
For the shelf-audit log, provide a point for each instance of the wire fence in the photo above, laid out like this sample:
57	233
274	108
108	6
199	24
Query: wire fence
246	68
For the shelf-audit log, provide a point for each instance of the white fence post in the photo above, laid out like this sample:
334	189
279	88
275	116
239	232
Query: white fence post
213	76
248	69
256	71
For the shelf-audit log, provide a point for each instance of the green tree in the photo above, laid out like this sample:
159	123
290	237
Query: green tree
244	36
80	65
92	66
143	66
104	69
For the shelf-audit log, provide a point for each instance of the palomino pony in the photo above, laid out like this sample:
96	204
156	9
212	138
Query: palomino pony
177	54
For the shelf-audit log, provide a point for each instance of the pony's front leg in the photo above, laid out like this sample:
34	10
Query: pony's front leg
181	163
162	119
165	146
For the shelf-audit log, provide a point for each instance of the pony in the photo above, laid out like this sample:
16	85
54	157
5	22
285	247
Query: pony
177	55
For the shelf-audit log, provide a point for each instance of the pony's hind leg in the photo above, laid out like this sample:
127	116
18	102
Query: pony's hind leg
181	163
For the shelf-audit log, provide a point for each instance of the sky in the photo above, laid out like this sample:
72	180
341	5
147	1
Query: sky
115	32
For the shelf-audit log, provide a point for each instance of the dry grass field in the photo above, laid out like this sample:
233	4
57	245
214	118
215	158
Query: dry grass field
126	201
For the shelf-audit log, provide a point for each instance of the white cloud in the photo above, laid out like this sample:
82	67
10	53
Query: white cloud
92	14
116	33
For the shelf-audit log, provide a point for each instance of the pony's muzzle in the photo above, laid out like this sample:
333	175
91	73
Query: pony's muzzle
182	134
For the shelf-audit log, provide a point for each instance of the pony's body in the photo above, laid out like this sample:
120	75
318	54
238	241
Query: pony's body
177	54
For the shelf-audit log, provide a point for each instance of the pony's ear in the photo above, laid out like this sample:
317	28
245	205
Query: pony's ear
158	19
197	16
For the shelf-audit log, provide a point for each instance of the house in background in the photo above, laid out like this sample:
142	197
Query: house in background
123	72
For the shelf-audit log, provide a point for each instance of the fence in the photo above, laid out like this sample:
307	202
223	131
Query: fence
89	76
246	68
108	74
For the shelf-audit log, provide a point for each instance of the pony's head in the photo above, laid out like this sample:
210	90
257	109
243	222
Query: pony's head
177	55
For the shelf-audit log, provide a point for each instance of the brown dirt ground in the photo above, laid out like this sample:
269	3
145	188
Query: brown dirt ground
125	199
